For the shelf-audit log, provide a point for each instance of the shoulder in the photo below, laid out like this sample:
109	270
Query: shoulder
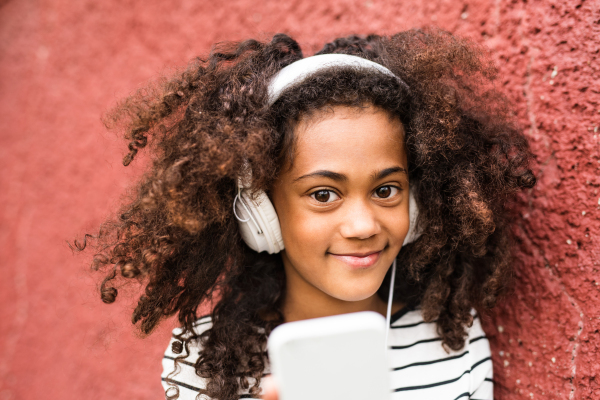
421	365
179	371
409	324
201	325
179	374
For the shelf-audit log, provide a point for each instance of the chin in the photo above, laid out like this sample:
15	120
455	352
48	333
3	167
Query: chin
355	294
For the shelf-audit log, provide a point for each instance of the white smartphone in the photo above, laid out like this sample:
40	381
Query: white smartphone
330	358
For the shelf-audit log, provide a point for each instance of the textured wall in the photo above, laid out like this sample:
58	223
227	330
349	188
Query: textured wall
63	63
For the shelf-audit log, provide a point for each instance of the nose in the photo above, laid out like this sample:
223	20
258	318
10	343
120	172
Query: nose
360	221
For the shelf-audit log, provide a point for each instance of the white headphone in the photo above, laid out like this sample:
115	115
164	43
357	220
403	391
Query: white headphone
257	219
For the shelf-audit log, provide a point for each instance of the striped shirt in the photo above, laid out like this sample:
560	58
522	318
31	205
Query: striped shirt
422	369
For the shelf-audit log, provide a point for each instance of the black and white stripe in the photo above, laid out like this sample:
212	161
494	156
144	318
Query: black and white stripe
420	368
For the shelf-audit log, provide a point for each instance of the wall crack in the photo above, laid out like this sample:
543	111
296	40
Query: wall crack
556	275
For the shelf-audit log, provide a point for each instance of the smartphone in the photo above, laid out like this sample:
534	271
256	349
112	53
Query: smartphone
330	358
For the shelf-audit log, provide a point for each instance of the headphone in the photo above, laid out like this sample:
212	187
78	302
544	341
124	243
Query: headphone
257	220
256	216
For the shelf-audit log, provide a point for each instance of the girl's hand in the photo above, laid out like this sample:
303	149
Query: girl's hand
269	389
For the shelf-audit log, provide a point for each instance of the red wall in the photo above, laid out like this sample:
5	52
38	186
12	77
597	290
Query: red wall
62	63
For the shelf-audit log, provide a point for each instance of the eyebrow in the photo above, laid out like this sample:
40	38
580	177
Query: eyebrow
343	178
388	171
325	174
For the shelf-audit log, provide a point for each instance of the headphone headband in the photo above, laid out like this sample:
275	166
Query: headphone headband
299	70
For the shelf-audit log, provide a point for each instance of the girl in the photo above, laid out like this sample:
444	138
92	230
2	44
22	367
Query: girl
280	189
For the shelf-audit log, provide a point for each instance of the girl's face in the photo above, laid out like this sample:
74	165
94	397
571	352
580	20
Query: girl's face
343	204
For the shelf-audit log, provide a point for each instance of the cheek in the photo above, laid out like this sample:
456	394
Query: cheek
306	232
401	227
396	223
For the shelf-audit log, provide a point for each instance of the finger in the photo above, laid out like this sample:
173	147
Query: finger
269	389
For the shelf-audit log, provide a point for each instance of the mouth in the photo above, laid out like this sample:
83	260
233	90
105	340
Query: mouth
359	260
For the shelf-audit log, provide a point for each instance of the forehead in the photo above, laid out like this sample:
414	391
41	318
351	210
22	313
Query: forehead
348	138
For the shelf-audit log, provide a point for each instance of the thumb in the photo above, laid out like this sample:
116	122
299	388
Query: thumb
269	389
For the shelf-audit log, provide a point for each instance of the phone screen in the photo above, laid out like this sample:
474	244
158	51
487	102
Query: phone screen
338	357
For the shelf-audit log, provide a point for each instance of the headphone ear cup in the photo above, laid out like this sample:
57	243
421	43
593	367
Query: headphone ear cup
248	229
270	221
413	214
259	226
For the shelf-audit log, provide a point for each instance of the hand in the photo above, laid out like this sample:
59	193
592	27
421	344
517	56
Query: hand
269	389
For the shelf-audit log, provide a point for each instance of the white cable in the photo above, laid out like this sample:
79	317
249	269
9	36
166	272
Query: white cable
388	316
238	197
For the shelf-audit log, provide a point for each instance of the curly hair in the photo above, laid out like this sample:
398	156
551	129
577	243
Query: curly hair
177	235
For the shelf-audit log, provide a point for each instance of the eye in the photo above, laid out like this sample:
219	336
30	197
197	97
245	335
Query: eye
324	196
384	192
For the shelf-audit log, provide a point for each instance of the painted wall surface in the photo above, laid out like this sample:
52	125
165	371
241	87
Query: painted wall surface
63	63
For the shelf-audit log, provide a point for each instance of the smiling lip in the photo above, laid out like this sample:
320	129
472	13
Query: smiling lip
359	260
